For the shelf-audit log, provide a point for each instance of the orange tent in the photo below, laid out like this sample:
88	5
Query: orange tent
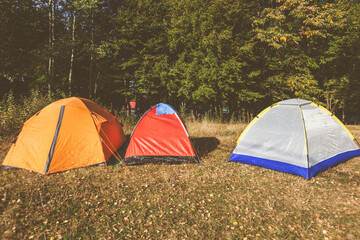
69	133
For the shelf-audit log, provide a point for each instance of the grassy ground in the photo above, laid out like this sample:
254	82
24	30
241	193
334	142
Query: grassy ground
215	200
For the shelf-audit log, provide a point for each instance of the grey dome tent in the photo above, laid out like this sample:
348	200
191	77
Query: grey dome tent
295	136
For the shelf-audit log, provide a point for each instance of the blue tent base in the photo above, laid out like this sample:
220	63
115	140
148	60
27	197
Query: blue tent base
293	169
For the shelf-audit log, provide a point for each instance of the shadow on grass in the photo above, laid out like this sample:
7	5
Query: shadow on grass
202	146
122	150
339	176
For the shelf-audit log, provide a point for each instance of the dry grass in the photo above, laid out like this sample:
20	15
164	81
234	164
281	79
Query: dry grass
216	199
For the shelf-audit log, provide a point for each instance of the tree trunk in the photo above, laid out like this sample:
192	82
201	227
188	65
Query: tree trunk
52	39
90	77
51	44
95	83
91	57
127	104
247	115
72	53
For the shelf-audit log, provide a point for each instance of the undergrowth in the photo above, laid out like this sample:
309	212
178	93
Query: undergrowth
14	112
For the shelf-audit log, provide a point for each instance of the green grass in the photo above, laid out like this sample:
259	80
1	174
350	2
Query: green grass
214	200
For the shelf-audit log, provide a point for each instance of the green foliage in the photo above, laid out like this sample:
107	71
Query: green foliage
296	34
14	112
205	55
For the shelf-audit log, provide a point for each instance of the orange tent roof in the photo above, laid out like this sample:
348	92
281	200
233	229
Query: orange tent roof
69	133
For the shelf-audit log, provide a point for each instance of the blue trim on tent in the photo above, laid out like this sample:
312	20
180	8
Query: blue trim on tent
162	108
330	162
293	169
271	164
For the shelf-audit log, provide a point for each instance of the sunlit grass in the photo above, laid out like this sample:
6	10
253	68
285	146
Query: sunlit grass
216	199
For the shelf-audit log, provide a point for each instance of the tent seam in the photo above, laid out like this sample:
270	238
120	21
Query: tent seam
91	115
306	142
55	139
253	121
140	120
338	120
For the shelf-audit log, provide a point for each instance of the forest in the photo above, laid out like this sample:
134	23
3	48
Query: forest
218	57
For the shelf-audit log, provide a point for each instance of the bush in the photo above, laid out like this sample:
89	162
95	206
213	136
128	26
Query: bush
14	112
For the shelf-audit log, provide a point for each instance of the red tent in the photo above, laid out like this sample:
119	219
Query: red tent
131	104
160	136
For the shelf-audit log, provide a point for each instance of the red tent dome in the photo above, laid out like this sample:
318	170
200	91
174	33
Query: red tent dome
160	137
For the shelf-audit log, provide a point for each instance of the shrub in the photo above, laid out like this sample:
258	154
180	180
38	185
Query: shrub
14	112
